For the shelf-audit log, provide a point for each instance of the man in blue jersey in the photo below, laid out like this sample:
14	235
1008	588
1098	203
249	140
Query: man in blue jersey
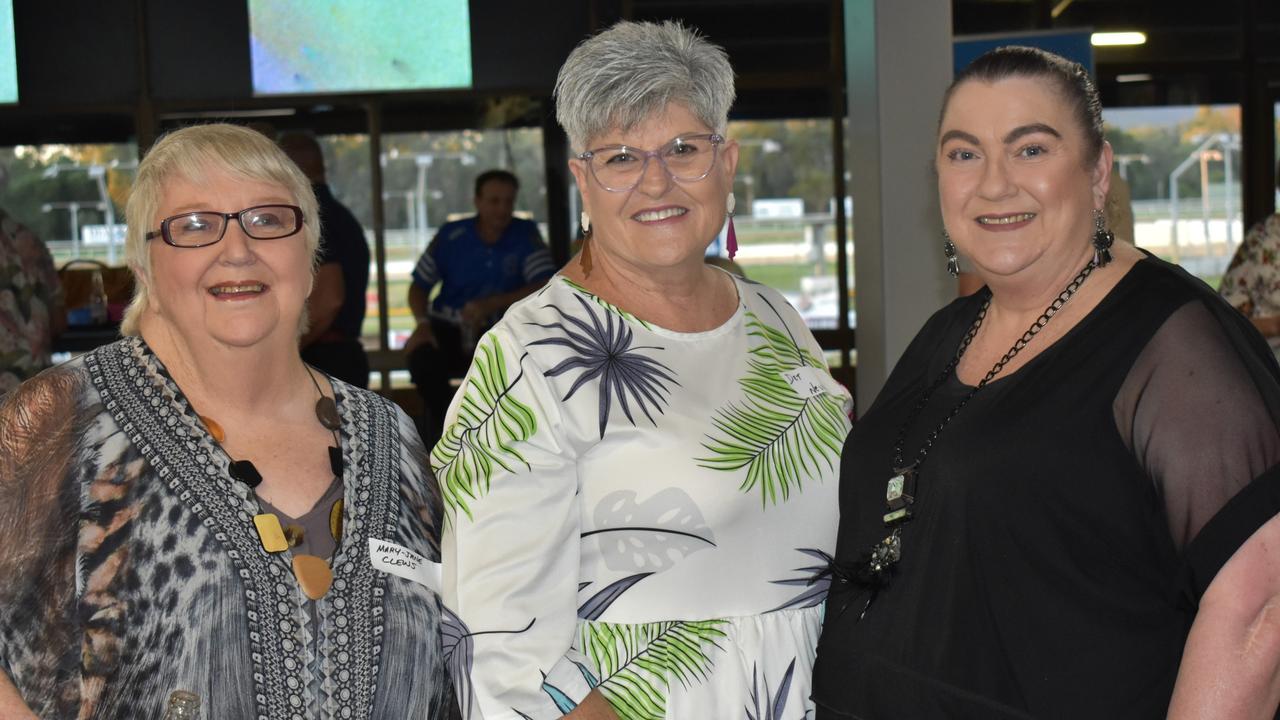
483	264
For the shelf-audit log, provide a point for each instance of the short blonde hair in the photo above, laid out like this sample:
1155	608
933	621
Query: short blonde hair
192	154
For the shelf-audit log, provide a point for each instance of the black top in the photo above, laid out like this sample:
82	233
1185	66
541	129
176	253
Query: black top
1067	520
342	241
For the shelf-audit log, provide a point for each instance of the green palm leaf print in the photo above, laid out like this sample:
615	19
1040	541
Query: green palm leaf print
481	439
780	437
637	663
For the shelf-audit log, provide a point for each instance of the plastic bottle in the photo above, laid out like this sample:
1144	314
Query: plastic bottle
98	300
183	705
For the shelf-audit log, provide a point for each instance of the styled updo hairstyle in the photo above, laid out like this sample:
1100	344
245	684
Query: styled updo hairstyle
1072	81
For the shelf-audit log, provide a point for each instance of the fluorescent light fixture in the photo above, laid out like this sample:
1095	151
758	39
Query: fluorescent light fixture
207	114
1134	77
1107	39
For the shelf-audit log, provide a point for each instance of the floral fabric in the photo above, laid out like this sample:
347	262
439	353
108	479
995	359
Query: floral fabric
1253	278
639	511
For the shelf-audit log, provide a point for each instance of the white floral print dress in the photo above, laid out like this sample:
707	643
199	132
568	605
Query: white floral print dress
639	511
1253	277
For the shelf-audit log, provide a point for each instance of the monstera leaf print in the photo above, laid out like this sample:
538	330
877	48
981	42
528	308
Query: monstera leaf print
483	437
780	437
637	663
648	535
602	350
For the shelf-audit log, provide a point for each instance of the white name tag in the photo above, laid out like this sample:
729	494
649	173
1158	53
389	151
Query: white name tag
400	560
810	381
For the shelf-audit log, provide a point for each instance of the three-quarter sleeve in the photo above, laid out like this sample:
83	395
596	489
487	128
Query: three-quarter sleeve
38	531
509	483
1198	423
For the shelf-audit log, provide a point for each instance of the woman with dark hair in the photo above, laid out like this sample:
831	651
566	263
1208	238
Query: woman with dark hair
1064	501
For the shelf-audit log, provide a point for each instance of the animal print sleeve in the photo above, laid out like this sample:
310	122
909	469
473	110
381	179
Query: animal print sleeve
38	515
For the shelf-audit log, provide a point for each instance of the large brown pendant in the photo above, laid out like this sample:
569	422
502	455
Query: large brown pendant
327	413
313	574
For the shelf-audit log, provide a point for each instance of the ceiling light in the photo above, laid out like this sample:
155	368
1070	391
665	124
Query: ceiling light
1106	39
1134	77
213	114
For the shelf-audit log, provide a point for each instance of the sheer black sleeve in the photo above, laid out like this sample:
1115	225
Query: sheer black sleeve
1197	412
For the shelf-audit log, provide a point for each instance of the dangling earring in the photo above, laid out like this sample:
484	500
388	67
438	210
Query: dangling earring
584	255
1102	239
949	249
731	238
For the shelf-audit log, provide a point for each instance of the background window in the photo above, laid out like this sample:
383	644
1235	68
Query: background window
428	180
785	220
1182	165
72	196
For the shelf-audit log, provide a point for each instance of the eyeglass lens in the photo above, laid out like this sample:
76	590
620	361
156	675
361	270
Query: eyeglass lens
685	158
262	223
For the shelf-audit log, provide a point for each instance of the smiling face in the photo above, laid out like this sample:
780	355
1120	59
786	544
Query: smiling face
239	291
661	222
496	204
1016	184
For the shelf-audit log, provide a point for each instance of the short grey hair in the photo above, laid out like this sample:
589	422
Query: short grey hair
192	153
633	71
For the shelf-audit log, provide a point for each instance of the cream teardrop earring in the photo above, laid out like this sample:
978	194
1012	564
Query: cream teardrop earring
584	256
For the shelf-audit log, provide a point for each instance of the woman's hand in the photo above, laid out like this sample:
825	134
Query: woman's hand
593	707
1231	664
422	335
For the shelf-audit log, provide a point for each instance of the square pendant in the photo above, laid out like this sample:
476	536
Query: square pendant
270	532
901	490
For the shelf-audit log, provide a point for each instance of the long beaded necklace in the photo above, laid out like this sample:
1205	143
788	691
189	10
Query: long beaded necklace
874	570
313	573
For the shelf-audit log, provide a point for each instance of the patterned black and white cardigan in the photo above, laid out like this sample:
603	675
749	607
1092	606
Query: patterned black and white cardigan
130	568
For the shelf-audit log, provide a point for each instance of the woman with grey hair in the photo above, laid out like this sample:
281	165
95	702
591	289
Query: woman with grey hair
188	515
640	468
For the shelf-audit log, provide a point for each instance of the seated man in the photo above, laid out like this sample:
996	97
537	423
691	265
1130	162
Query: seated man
484	263
336	306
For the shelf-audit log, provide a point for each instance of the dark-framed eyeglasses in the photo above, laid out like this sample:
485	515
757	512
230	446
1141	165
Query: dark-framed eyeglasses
206	227
687	158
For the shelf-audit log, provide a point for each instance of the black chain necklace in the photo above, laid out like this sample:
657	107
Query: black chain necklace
875	569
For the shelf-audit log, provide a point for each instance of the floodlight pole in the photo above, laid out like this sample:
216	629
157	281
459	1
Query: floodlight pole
424	164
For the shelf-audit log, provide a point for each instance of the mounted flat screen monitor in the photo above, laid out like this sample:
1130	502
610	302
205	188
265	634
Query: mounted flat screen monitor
8	58
335	46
